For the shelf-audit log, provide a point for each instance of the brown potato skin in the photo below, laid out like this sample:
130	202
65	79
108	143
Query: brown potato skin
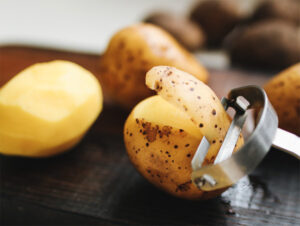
272	44
186	32
217	18
132	52
284	93
287	10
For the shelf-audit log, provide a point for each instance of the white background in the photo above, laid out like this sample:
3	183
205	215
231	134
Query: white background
80	25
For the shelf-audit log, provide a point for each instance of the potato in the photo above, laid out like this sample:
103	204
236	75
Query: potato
284	93
217	18
185	31
161	136
47	108
132	52
287	10
270	44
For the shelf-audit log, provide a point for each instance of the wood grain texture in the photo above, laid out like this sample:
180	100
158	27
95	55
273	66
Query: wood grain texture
95	183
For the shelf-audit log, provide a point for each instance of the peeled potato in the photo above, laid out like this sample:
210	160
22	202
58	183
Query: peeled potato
162	132
47	108
132	52
284	94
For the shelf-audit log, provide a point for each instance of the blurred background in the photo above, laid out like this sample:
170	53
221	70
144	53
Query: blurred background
256	33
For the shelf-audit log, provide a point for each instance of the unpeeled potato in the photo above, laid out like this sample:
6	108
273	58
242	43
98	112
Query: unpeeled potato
47	108
284	93
132	52
163	132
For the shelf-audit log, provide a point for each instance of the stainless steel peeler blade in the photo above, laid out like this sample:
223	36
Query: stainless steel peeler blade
227	168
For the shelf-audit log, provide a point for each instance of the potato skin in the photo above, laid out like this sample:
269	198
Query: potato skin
217	18
270	44
287	10
186	32
194	98
162	154
162	149
132	52
284	93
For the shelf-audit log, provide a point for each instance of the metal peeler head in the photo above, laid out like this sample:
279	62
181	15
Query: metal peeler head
228	168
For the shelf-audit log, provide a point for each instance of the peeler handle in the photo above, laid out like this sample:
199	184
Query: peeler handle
287	142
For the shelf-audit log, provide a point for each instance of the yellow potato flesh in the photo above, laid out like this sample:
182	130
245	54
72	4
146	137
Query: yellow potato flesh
47	108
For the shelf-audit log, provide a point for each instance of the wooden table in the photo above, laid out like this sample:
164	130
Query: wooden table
95	184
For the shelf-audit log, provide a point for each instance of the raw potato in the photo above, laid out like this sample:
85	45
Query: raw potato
161	136
47	108
186	32
217	18
269	44
132	52
287	10
284	93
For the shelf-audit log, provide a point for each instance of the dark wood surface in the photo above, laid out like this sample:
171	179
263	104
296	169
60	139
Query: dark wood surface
95	184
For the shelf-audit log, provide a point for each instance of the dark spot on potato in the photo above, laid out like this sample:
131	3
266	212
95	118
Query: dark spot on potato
172	160
184	187
214	112
141	131
188	155
130	58
185	108
216	125
157	85
220	141
214	141
166	131
152	155
280	84
121	45
166	161
150	131
187	145
175	146
147	144
192	89
179	167
198	97
181	130
137	121
169	73
201	125
178	99
169	156
130	134
157	175
149	171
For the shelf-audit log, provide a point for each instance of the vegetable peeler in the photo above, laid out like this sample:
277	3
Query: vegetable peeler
228	168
